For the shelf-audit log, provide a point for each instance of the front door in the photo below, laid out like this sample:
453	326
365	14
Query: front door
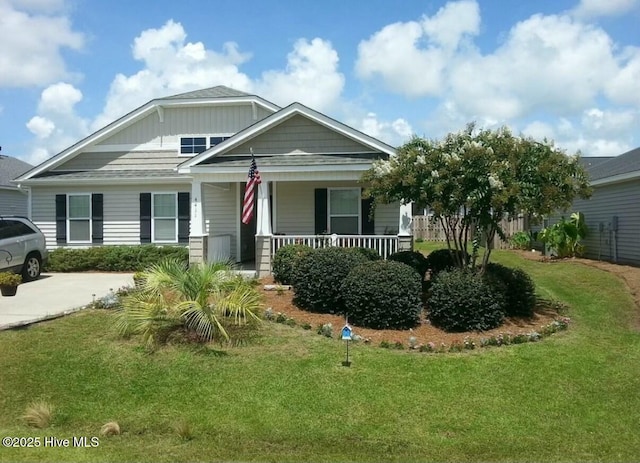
247	232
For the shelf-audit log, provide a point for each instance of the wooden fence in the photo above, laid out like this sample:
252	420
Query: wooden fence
427	228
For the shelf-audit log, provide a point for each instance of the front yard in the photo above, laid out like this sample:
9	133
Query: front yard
574	396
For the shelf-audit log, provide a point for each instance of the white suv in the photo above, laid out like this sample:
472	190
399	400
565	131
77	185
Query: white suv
22	247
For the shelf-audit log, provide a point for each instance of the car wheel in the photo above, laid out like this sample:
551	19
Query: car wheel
32	267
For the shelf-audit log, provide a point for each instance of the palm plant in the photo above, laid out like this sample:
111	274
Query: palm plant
201	298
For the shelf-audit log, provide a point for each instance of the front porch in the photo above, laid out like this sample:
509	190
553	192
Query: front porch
289	213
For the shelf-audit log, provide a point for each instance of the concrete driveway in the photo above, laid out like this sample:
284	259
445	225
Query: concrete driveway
57	294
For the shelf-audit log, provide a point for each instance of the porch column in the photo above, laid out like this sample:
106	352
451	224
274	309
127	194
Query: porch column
405	238
198	239
263	232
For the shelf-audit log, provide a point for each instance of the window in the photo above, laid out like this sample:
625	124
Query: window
193	145
165	218
344	211
79	218
14	228
213	141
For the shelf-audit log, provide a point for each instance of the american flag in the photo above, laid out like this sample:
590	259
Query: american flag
253	179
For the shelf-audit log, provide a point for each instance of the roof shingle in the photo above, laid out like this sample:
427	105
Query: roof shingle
11	168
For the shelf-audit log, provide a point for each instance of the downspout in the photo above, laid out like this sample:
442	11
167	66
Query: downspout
27	189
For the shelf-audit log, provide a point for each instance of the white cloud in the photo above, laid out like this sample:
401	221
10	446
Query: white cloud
32	36
171	65
311	77
393	133
57	125
40	126
597	8
624	87
412	57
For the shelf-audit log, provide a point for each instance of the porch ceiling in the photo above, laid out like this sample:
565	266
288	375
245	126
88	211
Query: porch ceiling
282	160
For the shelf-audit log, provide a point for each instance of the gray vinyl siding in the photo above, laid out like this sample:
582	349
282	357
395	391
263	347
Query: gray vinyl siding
220	212
621	200
181	122
295	208
13	202
121	210
134	160
300	135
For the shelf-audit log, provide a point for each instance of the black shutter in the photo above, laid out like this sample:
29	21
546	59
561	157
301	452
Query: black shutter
321	210
97	218
184	215
61	219
145	217
368	224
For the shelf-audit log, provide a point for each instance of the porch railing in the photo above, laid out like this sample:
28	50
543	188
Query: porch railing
384	244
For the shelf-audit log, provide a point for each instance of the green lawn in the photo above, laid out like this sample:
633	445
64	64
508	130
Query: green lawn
575	396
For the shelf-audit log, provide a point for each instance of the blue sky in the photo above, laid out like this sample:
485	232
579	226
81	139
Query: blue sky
564	70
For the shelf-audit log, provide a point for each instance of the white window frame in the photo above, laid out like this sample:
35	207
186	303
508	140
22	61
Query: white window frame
78	219
153	217
330	215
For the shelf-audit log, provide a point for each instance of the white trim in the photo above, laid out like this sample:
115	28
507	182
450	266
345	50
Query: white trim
627	176
135	116
238	218
274	209
76	219
329	215
279	117
153	217
108	181
208	168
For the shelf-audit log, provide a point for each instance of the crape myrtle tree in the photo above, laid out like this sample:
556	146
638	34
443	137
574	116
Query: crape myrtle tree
473	179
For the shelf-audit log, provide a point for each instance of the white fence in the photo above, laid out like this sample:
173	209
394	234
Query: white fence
385	245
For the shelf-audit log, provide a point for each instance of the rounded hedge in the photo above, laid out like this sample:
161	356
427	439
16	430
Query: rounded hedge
518	288
369	253
383	295
440	260
462	300
318	275
413	259
284	261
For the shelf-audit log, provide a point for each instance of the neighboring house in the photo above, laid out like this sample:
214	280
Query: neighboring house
13	201
613	211
174	170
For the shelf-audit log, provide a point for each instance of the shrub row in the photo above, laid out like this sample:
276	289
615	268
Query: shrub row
354	281
112	258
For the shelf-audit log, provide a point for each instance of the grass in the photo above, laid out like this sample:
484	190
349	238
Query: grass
573	397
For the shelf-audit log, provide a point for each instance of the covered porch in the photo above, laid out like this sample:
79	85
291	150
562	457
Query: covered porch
311	211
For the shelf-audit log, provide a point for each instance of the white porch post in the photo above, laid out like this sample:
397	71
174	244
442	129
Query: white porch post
263	232
263	216
405	238
198	239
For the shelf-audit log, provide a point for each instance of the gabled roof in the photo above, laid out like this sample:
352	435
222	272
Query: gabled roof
213	95
617	169
213	92
275	119
11	168
590	162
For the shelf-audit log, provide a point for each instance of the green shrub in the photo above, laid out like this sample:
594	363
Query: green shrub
518	288
112	258
285	259
318	275
521	240
413	259
369	253
383	295
462	300
441	260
